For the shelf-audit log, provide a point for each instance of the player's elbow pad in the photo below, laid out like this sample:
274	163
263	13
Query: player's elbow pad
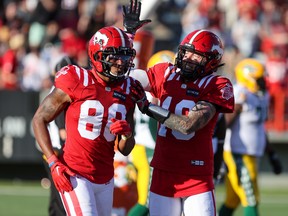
158	113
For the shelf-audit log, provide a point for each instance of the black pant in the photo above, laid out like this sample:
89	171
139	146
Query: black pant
55	207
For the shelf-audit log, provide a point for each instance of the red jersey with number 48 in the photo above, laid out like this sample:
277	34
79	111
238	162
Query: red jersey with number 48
89	148
190	154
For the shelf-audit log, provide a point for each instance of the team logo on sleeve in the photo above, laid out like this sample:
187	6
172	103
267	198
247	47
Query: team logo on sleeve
227	91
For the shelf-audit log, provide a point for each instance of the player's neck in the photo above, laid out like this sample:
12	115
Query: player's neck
105	81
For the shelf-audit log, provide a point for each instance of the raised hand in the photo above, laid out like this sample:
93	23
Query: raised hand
60	174
139	96
131	17
120	127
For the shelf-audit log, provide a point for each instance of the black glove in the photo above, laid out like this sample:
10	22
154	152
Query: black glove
131	14
275	162
139	96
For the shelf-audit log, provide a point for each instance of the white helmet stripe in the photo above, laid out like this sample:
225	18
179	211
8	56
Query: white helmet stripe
195	35
122	37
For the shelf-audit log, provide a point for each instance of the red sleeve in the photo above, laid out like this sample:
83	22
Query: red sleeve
221	94
157	75
67	80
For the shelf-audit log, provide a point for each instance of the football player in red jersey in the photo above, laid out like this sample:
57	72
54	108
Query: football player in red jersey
99	111
191	97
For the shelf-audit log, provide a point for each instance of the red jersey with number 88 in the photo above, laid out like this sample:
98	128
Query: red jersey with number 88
89	148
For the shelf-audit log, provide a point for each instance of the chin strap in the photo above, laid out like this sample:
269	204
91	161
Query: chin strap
220	65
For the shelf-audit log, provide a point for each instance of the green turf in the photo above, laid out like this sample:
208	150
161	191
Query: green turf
30	199
274	201
23	198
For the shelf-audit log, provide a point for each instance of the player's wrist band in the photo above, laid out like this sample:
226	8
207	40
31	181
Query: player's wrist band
158	113
130	35
123	137
51	160
51	164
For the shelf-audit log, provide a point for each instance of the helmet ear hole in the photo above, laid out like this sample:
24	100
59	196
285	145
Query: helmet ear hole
97	63
97	56
213	64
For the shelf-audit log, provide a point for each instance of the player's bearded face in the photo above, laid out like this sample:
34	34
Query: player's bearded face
192	64
193	60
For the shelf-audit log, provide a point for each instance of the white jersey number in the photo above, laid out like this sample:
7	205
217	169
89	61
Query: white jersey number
180	107
90	126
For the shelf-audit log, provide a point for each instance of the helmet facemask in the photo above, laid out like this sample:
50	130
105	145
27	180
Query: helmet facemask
109	57
190	69
261	83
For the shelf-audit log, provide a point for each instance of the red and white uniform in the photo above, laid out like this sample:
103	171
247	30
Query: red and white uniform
89	148
186	161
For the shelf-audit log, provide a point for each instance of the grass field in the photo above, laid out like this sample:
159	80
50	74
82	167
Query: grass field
30	199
